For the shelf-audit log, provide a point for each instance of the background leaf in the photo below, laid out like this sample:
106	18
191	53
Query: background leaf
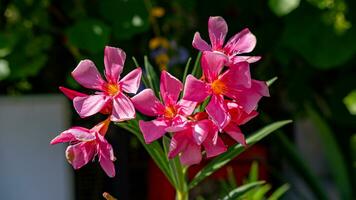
91	35
234	151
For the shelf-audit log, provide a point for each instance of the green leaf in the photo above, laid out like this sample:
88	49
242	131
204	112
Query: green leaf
196	69
253	176
279	192
4	69
127	18
308	35
283	7
151	76
332	153
350	102
235	193
186	69
260	193
271	81
234	151
154	149
172	166
89	34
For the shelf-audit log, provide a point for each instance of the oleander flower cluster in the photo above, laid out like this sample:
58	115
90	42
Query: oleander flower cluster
194	115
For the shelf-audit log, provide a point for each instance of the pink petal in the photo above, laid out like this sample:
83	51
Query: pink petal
80	154
217	32
170	87
235	132
131	82
249	98
212	63
191	155
101	127
177	127
71	93
146	102
74	134
238	115
249	59
123	109
212	149
106	156
87	75
114	59
237	77
178	143
242	42
217	110
201	131
152	130
89	105
195	90
186	107
199	43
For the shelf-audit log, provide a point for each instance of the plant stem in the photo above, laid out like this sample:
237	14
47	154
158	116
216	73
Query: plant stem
182	191
182	195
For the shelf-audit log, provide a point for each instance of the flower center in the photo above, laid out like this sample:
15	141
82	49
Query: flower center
112	89
218	87
170	112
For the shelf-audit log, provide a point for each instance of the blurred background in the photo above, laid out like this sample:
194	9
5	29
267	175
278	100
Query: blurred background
309	45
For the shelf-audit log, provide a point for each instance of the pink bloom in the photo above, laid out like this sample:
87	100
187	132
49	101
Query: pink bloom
168	113
232	83
187	140
238	117
85	144
242	42
109	96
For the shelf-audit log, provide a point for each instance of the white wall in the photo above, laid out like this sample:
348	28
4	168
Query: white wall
30	168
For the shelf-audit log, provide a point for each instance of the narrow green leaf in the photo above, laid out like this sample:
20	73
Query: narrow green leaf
144	79
271	81
260	193
233	151
231	177
154	149
151	76
186	69
253	176
204	104
279	192
196	69
135	61
237	192
332	153
172	167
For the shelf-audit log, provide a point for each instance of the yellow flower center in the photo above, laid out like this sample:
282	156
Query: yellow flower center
170	112
112	89
218	87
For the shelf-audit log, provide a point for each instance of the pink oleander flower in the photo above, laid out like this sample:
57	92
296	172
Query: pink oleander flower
169	113
232	84
85	144
242	42
109	97
238	118
188	139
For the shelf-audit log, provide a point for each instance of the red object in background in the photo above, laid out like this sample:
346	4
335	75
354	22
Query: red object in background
160	188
